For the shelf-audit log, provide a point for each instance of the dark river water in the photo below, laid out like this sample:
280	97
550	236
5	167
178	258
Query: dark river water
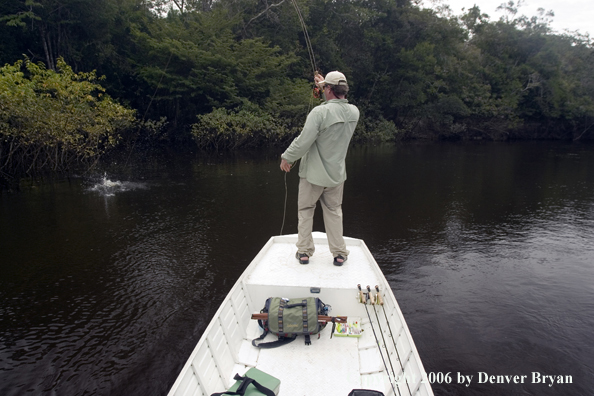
108	282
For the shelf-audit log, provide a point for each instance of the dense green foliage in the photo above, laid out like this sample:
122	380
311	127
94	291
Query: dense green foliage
54	119
237	73
223	129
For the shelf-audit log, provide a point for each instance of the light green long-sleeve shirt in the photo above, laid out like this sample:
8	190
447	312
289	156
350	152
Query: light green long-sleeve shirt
323	143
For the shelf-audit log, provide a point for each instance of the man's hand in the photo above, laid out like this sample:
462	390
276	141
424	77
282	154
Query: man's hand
318	78
285	166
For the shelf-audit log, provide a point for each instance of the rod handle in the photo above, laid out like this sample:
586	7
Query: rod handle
371	298
380	300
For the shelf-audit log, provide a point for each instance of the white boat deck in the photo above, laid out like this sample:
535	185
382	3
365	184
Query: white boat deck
279	267
329	366
343	359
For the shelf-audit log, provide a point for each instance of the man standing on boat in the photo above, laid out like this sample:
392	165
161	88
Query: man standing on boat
322	147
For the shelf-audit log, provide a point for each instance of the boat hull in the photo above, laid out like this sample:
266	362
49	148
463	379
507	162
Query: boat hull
383	357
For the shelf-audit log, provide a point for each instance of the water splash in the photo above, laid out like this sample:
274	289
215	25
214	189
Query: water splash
109	188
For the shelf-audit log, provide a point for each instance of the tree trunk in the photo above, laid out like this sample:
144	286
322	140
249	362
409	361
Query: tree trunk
47	47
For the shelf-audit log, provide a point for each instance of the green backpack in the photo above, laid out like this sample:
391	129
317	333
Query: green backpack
289	318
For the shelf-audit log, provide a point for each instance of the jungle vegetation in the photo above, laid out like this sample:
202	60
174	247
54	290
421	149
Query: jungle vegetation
232	74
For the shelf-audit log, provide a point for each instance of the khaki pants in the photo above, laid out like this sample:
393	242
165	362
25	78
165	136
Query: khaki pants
331	199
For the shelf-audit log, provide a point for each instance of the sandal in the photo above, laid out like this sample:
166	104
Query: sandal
300	256
339	263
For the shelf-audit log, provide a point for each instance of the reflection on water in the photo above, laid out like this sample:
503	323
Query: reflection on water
108	283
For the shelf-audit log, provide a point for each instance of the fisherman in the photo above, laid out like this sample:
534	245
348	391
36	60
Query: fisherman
322	147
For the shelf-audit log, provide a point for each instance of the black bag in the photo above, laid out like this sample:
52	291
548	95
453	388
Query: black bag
288	318
365	392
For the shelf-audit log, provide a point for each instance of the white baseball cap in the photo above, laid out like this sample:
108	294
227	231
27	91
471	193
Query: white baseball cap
334	78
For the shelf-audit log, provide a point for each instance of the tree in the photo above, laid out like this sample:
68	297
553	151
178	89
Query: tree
195	64
54	120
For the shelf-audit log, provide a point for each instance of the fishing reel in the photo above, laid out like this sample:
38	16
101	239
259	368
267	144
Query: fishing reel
317	93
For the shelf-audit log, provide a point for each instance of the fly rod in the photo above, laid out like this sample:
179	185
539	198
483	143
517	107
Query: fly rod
381	302
374	302
366	298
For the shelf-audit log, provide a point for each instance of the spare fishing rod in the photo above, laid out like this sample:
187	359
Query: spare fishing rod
380	301
374	302
364	297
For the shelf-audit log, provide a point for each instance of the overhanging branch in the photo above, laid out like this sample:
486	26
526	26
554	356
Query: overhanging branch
262	13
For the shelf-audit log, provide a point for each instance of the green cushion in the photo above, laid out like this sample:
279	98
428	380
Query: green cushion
263	379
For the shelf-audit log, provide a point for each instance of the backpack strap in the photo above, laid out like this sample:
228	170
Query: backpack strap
272	344
245	382
305	322
304	316
281	309
260	338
